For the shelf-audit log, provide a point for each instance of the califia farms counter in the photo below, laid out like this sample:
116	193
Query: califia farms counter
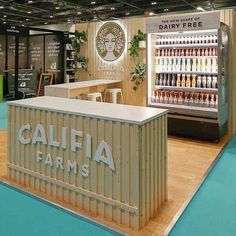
107	159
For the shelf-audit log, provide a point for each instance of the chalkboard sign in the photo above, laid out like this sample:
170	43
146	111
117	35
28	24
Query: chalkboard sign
44	80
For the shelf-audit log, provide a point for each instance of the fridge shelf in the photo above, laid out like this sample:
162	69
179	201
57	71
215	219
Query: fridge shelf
167	105
202	45
188	57
187	89
187	72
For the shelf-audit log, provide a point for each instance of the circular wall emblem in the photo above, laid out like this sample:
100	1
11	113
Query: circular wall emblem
110	41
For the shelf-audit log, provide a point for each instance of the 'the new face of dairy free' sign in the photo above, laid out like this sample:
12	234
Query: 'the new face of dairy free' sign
184	23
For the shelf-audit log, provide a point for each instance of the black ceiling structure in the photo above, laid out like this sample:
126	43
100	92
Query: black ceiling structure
32	13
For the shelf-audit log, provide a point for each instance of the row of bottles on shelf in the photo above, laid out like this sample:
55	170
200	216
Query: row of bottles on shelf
189	81
204	52
185	98
197	39
182	64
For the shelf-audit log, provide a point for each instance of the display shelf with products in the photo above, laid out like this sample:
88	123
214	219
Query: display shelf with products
69	63
186	73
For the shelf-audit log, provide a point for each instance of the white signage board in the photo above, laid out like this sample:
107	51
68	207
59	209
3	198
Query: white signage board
200	21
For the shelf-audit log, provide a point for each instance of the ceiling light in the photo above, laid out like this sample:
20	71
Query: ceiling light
51	16
29	12
1	7
4	22
151	13
200	9
79	13
5	16
27	19
45	23
153	3
127	13
57	8
30	1
23	25
68	20
93	2
166	9
112	8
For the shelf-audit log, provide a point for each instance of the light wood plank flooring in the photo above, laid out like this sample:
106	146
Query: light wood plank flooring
188	161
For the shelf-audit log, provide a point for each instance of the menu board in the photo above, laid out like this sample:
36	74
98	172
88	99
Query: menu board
11	52
36	52
53	55
2	52
22	52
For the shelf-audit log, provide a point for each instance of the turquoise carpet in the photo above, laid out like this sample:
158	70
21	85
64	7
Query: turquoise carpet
23	215
3	115
212	211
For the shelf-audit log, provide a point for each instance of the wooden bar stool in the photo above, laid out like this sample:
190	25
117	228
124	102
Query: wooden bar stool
114	93
94	96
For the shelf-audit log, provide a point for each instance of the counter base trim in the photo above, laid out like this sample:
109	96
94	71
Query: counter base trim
111	202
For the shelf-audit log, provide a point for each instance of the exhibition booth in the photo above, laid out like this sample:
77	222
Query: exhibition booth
91	110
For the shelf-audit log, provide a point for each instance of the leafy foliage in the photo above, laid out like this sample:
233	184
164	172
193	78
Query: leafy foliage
134	43
138	75
83	61
78	39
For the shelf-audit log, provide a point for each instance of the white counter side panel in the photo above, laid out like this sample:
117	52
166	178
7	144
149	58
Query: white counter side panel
108	111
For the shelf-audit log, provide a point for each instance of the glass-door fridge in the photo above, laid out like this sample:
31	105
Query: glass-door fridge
187	74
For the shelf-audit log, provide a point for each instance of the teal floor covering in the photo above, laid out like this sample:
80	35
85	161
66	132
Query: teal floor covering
3	115
212	211
23	215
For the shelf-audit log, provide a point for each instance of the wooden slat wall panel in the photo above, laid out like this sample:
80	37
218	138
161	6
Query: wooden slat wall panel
131	27
129	196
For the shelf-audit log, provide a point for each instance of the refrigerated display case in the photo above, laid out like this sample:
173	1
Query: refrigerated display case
187	74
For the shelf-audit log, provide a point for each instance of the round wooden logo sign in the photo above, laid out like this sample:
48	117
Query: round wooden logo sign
110	41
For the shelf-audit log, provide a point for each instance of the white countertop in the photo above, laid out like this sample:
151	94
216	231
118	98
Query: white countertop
108	111
83	84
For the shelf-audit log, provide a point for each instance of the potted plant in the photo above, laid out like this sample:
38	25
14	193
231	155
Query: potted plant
138	75
138	41
81	62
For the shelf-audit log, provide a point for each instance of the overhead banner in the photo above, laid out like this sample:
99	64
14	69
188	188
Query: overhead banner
200	21
14	30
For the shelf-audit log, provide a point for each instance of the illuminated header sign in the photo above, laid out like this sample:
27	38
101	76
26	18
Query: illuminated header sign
200	21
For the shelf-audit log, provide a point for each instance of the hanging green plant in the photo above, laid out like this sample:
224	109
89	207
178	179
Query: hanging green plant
78	39
82	62
138	75
134	43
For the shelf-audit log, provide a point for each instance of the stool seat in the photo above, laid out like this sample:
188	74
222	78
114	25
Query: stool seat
93	96
114	92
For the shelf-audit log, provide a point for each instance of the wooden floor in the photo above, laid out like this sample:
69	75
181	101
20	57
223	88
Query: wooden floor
188	160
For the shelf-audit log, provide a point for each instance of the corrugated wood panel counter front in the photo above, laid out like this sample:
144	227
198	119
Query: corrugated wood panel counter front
108	159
